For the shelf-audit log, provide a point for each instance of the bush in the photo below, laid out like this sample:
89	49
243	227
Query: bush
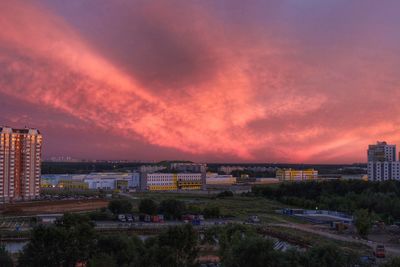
172	208
5	258
148	206
225	194
211	212
120	206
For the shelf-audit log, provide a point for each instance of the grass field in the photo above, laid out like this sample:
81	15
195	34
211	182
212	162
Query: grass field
239	207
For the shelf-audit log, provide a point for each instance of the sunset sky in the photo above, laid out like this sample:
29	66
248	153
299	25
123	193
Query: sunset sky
306	81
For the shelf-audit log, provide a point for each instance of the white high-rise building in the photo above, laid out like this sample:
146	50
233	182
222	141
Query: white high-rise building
20	164
381	151
383	171
382	164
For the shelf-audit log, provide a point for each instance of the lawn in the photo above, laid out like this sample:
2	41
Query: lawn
239	207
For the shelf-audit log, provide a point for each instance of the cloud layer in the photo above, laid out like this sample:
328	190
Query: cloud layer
202	80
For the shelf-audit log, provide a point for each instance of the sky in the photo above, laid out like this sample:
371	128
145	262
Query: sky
295	81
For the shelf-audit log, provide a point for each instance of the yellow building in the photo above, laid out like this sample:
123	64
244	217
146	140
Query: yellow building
296	175
72	184
173	181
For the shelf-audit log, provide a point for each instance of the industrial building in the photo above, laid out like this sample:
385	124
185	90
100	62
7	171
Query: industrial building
292	175
107	181
20	164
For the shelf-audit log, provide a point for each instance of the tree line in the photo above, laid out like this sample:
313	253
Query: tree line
381	198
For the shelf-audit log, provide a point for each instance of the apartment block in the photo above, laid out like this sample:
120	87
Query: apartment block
20	164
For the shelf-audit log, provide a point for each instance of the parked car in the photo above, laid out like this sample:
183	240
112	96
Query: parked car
121	218
380	251
253	219
129	217
196	222
147	218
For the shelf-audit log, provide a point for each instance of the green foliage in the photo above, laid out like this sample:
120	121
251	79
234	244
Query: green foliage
101	215
175	247
102	260
327	256
192	209
211	212
241	245
67	242
5	258
72	239
118	206
148	206
254	252
382	198
395	262
225	194
363	222
172	208
122	249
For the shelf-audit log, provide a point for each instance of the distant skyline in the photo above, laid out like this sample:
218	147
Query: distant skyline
210	81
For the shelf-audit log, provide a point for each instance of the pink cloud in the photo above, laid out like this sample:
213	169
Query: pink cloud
258	101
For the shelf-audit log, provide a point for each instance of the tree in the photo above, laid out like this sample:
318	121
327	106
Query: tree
172	208
328	256
5	258
225	194
102	260
118	206
363	222
122	249
253	251
70	240
173	248
148	206
211	212
395	262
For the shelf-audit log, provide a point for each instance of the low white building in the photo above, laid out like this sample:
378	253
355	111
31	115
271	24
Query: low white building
216	179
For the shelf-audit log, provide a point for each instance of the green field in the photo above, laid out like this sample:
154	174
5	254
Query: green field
236	207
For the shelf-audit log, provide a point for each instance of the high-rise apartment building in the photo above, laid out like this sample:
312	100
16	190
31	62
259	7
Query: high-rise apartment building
381	152
382	164
20	162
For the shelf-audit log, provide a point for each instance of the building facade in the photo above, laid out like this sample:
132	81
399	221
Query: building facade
292	175
382	164
381	152
383	171
217	179
20	164
173	181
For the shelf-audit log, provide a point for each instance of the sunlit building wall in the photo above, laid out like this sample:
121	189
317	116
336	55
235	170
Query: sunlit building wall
20	164
216	179
173	181
292	175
